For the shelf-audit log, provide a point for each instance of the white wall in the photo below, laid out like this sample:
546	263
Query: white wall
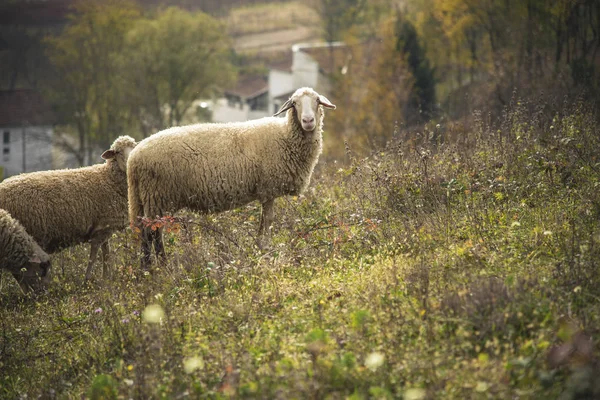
223	112
257	114
305	69
280	82
36	155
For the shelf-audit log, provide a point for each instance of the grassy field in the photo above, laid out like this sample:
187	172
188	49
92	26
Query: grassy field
261	18
264	29
429	270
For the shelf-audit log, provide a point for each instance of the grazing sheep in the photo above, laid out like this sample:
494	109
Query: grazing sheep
218	167
21	255
66	207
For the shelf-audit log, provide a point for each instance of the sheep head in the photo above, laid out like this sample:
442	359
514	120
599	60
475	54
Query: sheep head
36	273
119	151
308	105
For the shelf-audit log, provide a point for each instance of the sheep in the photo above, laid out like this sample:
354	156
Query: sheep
210	168
21	255
62	208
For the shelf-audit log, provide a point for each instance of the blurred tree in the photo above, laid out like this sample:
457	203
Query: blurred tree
423	90
372	95
338	16
173	60
88	88
531	45
22	59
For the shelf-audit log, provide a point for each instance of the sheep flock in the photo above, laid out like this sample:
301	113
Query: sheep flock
206	168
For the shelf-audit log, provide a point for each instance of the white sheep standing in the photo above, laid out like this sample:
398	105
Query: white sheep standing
217	167
62	208
21	255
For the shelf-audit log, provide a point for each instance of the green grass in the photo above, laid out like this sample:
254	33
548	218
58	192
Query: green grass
428	270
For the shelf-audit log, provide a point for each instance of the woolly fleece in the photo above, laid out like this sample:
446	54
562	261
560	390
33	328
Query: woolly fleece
17	249
218	167
62	208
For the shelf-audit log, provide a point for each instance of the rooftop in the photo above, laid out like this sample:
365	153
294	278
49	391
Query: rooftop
249	86
331	57
24	107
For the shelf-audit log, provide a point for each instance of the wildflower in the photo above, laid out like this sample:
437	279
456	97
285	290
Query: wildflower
191	364
153	314
98	310
374	360
415	394
125	321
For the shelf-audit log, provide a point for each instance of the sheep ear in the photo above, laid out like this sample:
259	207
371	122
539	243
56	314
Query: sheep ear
35	259
324	101
286	106
108	154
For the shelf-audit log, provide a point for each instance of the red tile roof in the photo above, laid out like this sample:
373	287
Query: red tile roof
250	86
24	107
283	64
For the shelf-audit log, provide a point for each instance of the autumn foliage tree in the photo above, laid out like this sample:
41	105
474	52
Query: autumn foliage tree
87	90
490	48
172	60
117	72
373	95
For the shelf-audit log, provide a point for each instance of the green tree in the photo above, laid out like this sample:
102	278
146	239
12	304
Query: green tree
172	61
372	95
87	90
408	45
339	15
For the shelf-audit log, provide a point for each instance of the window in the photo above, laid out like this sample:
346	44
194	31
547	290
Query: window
6	154
6	137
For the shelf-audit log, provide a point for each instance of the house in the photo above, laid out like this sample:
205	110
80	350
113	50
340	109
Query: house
247	100
26	131
308	64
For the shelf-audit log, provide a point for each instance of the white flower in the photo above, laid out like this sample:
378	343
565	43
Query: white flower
191	364
153	314
414	394
374	360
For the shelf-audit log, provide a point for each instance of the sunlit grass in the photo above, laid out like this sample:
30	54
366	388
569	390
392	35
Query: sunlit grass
425	271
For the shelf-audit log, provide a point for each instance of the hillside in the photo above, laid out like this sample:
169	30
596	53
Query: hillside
263	29
432	269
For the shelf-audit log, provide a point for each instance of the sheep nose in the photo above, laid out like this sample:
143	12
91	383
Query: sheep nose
308	120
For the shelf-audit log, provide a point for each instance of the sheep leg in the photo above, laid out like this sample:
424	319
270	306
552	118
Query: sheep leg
266	220
105	255
146	248
94	246
159	247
